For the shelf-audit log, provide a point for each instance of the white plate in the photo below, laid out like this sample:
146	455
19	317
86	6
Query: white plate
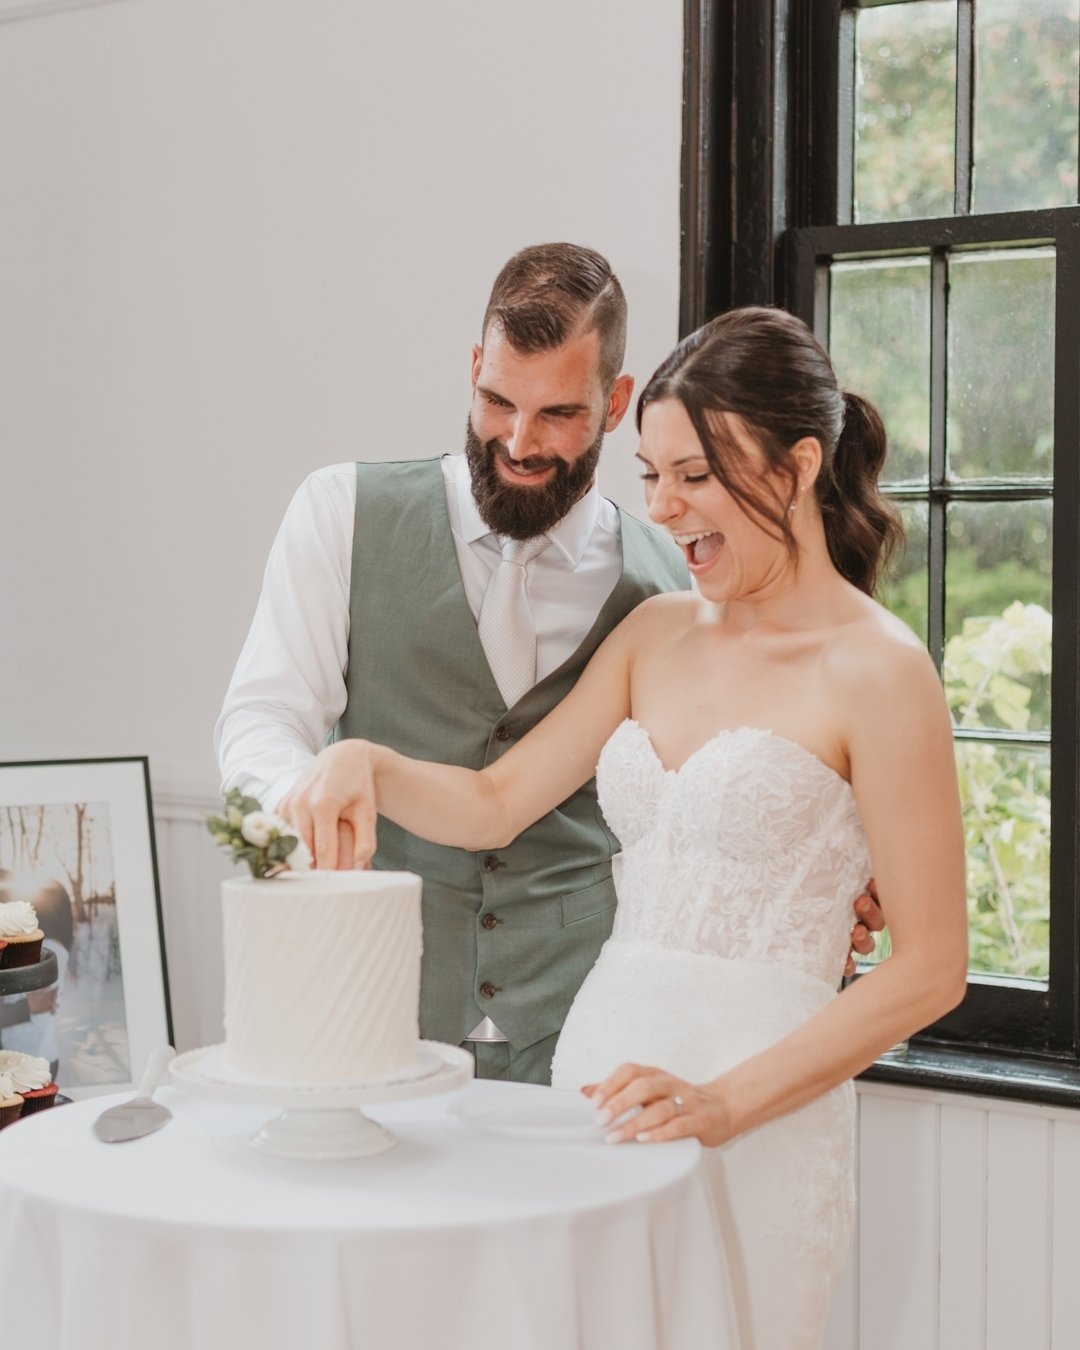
552	1114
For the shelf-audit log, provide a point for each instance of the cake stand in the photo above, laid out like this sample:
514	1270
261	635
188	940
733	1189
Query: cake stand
323	1120
22	979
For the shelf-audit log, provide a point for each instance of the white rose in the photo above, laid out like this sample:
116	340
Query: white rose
300	859
257	828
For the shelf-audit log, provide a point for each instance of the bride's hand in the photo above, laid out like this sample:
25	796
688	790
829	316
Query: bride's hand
331	806
665	1107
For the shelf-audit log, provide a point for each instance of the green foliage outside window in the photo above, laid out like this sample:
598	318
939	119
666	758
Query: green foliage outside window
1027	54
996	672
994	669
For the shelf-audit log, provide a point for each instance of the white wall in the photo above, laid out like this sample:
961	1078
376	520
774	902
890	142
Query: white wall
239	240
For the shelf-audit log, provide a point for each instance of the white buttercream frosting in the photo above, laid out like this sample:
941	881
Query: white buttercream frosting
322	975
18	918
26	1072
7	1087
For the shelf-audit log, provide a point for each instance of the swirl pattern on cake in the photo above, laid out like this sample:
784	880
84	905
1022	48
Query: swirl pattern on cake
322	975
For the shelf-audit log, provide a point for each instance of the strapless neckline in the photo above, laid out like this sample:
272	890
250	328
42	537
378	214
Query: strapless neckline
728	733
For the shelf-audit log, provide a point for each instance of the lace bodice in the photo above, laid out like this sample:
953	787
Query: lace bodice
752	849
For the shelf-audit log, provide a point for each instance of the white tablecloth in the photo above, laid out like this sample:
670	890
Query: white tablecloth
189	1239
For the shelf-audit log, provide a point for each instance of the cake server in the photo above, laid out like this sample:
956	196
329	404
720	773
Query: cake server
141	1115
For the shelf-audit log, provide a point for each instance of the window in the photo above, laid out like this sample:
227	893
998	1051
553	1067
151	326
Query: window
903	175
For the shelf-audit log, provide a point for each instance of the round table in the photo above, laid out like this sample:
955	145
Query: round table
456	1239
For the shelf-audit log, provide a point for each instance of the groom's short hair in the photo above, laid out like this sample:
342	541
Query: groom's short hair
549	293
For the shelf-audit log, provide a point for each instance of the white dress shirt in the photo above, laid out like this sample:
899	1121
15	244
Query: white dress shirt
288	689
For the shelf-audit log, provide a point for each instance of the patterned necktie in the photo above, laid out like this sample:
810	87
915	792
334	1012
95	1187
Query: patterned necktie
507	631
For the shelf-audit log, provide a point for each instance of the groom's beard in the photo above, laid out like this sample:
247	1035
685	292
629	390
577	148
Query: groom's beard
525	512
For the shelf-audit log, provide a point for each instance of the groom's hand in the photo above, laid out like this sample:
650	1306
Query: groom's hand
869	920
331	806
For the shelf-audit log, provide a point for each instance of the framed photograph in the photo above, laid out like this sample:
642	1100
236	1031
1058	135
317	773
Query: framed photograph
77	842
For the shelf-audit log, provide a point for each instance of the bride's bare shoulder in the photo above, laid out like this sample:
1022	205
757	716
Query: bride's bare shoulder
654	620
666	613
876	654
654	623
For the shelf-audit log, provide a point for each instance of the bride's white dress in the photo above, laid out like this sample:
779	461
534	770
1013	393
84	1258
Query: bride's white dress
739	872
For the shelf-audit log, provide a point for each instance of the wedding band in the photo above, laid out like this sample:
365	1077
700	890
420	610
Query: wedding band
678	1101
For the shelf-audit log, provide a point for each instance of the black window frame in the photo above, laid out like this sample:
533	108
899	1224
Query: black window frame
765	191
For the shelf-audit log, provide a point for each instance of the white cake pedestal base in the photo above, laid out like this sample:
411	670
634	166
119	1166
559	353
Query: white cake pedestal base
323	1120
347	1133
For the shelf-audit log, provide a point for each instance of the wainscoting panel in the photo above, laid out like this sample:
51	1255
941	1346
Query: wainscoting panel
1065	1235
1017	1232
962	1140
191	868
968	1226
898	1260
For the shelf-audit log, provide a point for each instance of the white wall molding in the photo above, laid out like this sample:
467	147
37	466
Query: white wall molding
184	802
959	1101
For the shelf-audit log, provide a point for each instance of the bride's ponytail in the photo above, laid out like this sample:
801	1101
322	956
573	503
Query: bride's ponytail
862	528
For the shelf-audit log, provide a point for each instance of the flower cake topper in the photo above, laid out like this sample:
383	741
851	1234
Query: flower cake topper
257	837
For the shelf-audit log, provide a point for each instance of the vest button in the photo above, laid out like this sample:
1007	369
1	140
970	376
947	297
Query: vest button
488	990
489	921
491	863
503	734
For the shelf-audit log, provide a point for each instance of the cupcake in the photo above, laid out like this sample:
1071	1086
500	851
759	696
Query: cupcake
21	934
11	1104
30	1078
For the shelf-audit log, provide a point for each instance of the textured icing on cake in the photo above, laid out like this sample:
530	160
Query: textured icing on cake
322	975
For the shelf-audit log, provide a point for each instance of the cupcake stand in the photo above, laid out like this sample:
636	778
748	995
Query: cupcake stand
24	979
322	1120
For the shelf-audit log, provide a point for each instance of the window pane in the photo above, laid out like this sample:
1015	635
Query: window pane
879	341
1005	800
1027	57
997	614
905	111
1005	795
904	592
1001	364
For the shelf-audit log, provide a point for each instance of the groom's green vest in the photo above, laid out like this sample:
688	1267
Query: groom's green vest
508	933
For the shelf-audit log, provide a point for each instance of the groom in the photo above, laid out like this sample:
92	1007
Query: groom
443	607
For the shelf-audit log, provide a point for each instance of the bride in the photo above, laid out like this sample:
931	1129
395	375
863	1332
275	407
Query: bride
762	745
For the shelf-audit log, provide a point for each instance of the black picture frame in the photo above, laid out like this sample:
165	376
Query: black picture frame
85	828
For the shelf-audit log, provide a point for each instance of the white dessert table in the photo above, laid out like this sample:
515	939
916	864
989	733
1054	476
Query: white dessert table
456	1239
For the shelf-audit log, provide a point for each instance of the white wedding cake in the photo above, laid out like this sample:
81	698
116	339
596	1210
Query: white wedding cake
322	976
